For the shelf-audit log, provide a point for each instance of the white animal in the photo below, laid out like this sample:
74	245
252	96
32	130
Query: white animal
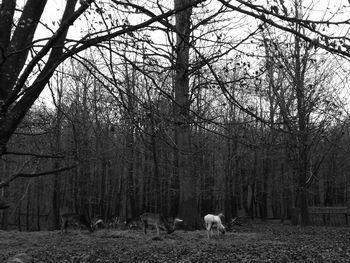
214	220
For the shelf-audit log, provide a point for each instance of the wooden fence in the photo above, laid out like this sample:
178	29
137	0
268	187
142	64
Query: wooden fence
327	215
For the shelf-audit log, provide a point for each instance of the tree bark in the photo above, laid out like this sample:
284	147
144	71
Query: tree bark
188	201
302	136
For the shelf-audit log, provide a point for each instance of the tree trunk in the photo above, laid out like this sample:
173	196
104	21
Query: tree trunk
128	198
187	180
55	221
302	161
5	212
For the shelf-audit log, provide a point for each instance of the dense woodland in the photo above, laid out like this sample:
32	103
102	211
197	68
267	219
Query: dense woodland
183	108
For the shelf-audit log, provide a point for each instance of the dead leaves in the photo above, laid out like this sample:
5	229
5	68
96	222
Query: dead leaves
263	243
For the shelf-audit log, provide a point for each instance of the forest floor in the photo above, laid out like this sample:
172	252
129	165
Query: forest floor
260	243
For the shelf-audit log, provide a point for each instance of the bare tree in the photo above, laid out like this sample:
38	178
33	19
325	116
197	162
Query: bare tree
17	68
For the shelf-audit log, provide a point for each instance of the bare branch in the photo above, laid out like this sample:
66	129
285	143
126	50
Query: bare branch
262	17
34	155
12	177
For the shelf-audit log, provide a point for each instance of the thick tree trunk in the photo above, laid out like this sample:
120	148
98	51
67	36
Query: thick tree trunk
188	209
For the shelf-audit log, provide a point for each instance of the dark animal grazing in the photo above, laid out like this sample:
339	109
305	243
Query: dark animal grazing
74	219
97	222
158	221
133	223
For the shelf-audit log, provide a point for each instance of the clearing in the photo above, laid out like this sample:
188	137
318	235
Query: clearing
261	243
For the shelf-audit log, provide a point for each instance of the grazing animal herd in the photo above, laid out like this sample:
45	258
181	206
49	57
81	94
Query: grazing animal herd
146	219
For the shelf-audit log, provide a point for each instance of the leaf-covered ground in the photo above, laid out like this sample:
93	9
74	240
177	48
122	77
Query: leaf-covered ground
261	243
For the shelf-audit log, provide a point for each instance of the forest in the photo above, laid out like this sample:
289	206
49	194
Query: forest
182	108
